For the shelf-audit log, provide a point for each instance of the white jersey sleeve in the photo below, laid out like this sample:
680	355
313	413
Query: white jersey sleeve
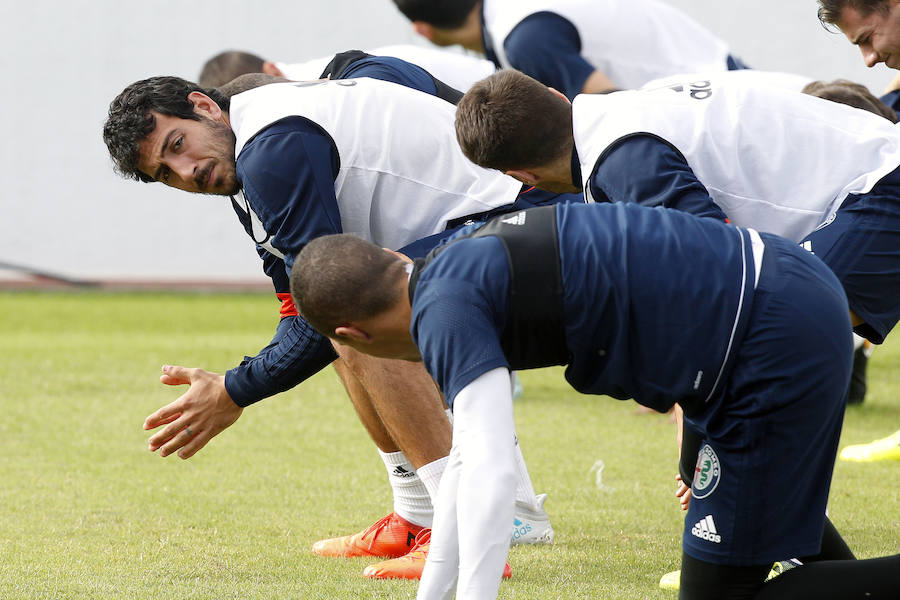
477	494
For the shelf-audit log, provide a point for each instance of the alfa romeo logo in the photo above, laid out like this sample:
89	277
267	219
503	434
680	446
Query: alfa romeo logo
707	473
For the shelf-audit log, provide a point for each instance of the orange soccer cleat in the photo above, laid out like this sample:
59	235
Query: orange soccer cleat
411	565
391	536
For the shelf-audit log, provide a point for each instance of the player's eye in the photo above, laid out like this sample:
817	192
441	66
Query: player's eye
178	142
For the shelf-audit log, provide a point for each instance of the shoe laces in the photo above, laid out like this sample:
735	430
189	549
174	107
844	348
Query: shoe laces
376	528
423	538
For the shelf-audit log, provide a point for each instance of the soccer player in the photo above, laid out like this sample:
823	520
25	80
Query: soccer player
746	330
809	170
871	25
816	172
874	27
457	70
306	159
858	96
852	94
575	46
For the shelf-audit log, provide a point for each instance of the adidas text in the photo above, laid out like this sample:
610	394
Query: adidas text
705	529
520	530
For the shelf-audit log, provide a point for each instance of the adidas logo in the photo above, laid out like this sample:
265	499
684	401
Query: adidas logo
402	473
705	529
516	219
520	528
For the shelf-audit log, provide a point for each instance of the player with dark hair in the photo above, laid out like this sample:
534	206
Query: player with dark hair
575	46
871	25
874	27
671	147
760	157
227	65
746	330
852	94
301	160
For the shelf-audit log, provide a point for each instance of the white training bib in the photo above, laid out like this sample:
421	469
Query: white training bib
778	161
752	77
402	175
630	41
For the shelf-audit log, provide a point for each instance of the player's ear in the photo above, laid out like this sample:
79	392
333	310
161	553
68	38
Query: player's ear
352	333
559	94
526	177
399	255
269	68
424	29
205	105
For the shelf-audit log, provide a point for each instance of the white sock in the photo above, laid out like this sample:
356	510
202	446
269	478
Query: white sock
524	487
411	498
431	474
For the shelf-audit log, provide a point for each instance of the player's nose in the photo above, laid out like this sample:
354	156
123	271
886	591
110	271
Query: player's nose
870	56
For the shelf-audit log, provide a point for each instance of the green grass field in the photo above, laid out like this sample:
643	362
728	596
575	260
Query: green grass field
87	512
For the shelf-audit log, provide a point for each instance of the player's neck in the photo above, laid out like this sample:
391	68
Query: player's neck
469	34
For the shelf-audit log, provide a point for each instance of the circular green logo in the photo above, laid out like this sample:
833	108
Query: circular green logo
707	473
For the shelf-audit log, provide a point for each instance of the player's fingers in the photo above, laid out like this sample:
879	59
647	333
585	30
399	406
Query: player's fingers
163	416
165	421
165	435
197	442
175	375
177	441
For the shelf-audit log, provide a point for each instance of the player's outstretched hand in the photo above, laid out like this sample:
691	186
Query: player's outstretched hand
683	493
200	414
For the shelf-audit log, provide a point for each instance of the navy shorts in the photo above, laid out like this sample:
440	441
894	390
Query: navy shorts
528	198
771	436
861	244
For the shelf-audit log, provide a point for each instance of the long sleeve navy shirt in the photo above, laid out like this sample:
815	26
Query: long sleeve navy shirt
644	169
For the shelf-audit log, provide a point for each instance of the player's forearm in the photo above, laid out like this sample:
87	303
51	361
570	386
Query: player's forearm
484	434
296	353
442	569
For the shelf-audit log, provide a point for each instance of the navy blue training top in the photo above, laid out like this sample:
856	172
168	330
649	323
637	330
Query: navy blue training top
547	47
287	172
892	99
653	300
648	170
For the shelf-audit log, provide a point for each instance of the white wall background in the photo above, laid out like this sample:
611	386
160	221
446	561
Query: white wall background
62	208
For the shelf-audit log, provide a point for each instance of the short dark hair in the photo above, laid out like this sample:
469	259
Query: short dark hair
337	279
249	81
131	119
830	10
510	121
852	94
225	66
444	14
